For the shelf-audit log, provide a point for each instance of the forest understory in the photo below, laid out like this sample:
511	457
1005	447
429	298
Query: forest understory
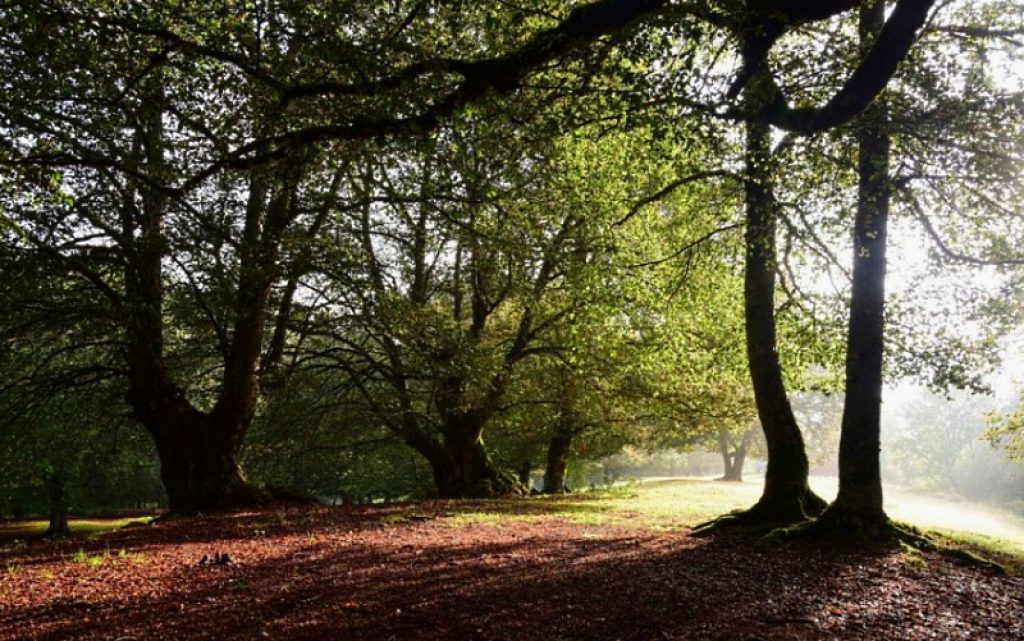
508	570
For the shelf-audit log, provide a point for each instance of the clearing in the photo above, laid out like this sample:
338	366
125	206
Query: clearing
615	566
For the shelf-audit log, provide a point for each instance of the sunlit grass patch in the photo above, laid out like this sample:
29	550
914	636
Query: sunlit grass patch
472	518
137	558
80	528
661	505
590	518
91	560
671	504
674	504
677	504
1007	552
486	517
106	557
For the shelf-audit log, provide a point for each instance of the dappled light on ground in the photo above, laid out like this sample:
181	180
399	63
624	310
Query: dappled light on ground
575	567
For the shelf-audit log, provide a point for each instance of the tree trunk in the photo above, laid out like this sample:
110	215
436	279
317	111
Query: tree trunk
787	496
463	469
199	451
739	458
557	464
525	472
733	457
56	490
199	462
859	501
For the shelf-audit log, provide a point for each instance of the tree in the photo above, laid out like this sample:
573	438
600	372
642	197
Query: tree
67	450
166	130
734	453
859	502
444	301
118	221
163	158
858	509
787	497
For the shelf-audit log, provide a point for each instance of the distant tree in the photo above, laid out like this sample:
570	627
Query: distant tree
70	451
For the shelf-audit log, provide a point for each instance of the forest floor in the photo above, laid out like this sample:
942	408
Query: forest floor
614	566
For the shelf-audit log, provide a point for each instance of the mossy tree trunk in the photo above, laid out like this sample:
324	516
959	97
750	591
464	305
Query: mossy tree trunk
462	468
199	456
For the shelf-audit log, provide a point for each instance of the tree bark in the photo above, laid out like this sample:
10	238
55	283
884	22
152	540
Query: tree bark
56	490
859	501
787	496
199	451
525	473
199	460
557	463
462	468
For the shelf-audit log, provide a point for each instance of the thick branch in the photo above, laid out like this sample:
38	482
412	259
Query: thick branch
866	82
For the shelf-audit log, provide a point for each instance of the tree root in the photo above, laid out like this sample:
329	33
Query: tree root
876	534
971	559
765	516
738	519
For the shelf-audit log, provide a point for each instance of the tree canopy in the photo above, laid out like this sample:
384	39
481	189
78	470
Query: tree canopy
332	245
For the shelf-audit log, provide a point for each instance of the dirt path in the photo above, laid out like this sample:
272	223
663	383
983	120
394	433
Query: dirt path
375	573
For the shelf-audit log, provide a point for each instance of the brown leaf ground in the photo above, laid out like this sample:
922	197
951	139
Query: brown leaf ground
515	571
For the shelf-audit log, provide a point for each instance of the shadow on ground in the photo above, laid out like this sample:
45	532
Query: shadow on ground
349	573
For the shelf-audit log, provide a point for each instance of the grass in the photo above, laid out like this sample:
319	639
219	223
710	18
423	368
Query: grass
98	560
1007	552
676	504
91	560
660	504
485	517
80	528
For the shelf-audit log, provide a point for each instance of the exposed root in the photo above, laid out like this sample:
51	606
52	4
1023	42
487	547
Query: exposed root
876	534
765	515
974	560
754	519
841	528
705	528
